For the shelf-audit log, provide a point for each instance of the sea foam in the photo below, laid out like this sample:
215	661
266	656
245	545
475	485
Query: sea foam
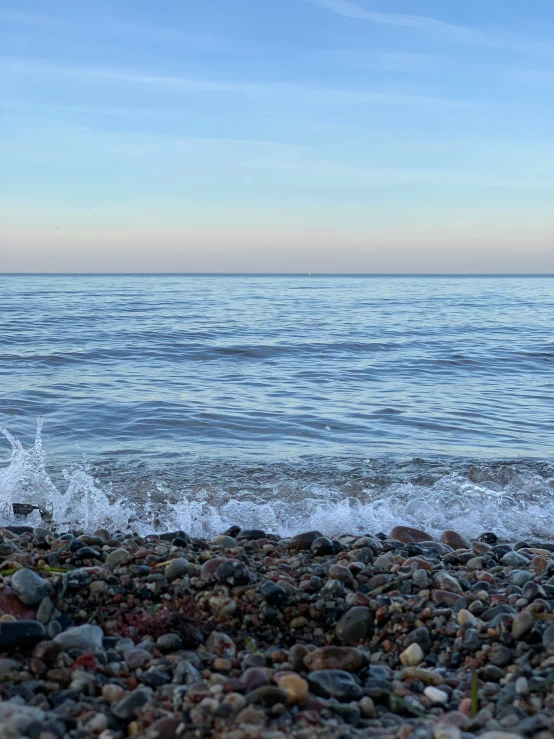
513	500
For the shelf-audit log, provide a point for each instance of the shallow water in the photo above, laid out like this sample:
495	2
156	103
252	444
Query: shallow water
341	403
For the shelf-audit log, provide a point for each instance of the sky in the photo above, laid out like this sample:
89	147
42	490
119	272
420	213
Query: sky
277	136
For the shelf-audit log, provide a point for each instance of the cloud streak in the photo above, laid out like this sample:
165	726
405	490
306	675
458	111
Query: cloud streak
449	31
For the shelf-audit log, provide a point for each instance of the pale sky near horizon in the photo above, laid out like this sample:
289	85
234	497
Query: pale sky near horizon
277	136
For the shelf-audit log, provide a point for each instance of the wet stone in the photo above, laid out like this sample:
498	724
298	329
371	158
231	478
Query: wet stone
455	540
322	546
407	535
251	534
304	541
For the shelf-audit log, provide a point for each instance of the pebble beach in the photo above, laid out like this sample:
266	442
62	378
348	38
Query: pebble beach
251	636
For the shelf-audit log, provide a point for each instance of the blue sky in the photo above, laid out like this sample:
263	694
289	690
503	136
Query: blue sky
277	135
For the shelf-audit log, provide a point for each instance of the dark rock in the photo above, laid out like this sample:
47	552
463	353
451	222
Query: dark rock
274	594
355	625
548	638
488	538
251	534
19	635
127	708
495	611
335	684
171	535
491	673
232	573
500	655
267	695
304	541
322	546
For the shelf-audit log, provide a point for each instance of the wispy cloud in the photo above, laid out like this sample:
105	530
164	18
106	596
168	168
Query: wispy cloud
273	90
446	30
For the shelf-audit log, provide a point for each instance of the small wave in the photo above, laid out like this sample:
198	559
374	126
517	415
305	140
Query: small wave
512	499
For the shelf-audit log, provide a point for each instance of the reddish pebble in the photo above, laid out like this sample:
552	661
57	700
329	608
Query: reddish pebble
421	564
454	540
408	535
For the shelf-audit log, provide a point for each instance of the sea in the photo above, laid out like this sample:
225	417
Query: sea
347	404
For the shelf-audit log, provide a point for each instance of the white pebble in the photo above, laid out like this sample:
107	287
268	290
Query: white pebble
435	695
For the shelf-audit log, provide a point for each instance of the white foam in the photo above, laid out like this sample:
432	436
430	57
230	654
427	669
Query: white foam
513	502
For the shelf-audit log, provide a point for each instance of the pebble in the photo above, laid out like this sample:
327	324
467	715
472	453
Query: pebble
413	655
324	638
548	638
117	557
408	535
435	695
304	541
355	625
523	622
29	587
295	687
335	684
82	637
334	658
176	568
128	706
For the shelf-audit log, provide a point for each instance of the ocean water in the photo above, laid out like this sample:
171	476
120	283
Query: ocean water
347	404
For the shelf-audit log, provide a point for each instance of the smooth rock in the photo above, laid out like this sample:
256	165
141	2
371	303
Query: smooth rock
176	568
29	587
413	655
444	581
455	540
225	542
295	687
523	622
267	695
436	695
304	541
82	637
322	546
17	635
127	708
335	684
334	658
548	638
355	625
408	535
117	557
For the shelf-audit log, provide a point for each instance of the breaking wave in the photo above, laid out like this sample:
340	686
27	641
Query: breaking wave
513	499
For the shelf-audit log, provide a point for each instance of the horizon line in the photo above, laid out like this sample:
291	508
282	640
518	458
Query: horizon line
276	274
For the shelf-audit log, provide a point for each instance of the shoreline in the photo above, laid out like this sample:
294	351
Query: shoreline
251	636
